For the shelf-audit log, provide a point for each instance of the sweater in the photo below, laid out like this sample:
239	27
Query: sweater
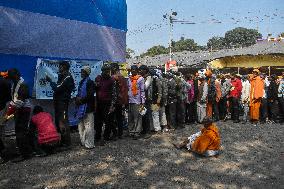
236	90
45	128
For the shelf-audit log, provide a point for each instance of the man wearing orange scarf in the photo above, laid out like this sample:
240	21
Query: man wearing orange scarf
136	93
256	93
206	142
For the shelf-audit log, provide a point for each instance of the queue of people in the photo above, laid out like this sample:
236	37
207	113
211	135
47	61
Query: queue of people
156	102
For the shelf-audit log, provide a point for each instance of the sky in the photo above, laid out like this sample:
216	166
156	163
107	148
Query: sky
147	27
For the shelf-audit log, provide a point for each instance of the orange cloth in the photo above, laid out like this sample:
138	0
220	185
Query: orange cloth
256	93
254	110
209	109
4	74
208	140
218	91
257	88
134	86
209	106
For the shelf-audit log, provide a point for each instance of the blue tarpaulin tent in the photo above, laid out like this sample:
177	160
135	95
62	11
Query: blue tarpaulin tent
65	29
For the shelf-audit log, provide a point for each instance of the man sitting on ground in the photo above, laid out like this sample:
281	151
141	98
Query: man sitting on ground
206	142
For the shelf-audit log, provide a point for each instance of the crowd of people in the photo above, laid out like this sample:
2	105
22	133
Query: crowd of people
155	102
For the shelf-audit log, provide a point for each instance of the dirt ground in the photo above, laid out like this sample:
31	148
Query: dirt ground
252	157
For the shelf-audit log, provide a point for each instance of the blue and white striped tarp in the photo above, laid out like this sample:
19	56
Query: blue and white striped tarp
60	29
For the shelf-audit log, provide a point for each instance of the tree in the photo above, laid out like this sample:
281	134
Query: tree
216	43
241	37
129	53
185	45
281	34
155	50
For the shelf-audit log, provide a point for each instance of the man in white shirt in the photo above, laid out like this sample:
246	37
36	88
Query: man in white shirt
245	97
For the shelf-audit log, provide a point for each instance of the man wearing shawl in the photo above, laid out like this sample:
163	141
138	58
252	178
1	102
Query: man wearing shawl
85	102
205	142
20	107
256	93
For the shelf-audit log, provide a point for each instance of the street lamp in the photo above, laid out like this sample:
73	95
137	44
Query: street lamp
171	19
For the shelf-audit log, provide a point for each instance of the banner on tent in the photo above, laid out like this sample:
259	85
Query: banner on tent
50	67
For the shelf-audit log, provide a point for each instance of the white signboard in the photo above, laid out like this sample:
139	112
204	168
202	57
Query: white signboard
50	68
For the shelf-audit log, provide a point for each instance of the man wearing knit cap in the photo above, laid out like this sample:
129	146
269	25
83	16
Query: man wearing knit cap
256	93
85	102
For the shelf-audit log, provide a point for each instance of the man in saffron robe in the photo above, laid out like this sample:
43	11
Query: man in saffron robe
256	93
206	142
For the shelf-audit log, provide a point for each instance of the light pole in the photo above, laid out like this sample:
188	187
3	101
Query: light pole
171	19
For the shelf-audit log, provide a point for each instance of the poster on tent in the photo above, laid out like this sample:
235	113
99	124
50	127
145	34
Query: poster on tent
49	68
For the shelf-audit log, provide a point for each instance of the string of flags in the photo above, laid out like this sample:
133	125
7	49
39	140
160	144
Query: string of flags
234	18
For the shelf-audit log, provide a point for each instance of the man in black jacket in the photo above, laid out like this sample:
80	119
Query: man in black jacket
85	103
61	98
272	99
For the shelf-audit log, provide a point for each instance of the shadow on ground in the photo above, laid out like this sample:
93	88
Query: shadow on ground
252	158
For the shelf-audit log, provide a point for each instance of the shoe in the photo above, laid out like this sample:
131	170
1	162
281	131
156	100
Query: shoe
165	130
254	124
147	136
42	154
